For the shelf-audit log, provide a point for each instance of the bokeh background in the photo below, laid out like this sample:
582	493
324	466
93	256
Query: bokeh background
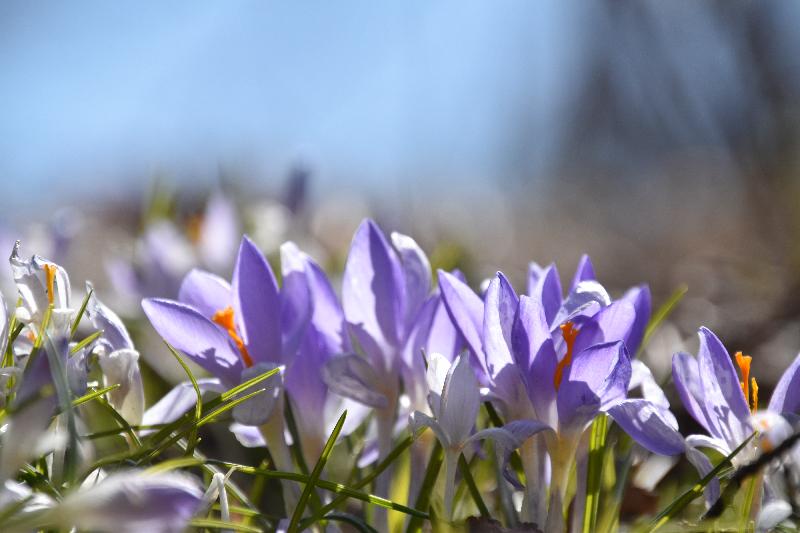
659	137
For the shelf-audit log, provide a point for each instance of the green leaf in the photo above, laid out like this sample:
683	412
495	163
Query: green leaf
366	480
198	407
94	394
695	492
212	523
463	467
354	521
594	472
428	482
312	479
85	342
81	311
174	464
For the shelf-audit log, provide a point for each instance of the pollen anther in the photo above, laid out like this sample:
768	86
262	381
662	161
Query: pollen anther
570	333
225	318
50	279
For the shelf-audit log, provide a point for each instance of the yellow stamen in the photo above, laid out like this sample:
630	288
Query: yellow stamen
224	318
570	333
755	394
50	277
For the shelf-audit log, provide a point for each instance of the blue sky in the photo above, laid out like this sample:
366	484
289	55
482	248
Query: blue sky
102	95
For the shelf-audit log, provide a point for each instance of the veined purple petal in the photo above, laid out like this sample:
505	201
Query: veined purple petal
257	304
413	367
133	501
686	375
443	336
206	292
304	382
642	304
114	331
500	308
466	312
296	305
186	330
416	271
722	393
248	436
786	398
612	323
651	426
179	400
258	409
597	378
327	317
460	401
352	377
584	272
536	357
548	291
373	288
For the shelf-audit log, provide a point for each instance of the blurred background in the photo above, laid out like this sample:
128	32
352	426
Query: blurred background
139	139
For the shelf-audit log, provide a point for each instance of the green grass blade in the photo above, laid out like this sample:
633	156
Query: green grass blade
662	313
94	394
695	492
312	479
594	472
198	408
85	342
428	482
354	521
212	523
227	395
81	311
463	467
398	450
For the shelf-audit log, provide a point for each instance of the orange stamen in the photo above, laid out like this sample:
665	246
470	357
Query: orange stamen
224	318
743	361
50	277
747	383
570	333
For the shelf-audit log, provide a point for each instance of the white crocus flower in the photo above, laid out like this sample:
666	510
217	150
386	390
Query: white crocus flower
454	401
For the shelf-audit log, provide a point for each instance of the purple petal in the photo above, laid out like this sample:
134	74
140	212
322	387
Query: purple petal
304	382
642	304
134	501
786	398
327	317
417	273
295	299
466	312
651	426
373	289
536	357
443	336
500	308
352	377
460	401
548	291
597	378
179	400
686	375
612	323
248	436
722	394
103	318
257	304
703	466
258	409
206	292
584	272
186	330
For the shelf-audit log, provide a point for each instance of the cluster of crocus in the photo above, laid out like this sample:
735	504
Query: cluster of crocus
294	367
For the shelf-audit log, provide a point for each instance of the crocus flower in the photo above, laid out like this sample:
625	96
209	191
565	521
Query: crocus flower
238	331
455	400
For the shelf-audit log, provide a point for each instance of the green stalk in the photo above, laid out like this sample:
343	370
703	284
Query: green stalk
594	472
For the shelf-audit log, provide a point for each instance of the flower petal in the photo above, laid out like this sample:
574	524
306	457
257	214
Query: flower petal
651	426
248	436
258	409
373	289
548	291
185	329
206	292
642	304
177	401
536	357
460	400
257	304
416	270
500	308
114	331
466	312
686	375
584	272
641	376
353	377
296	304
418	420
786	398
122	367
